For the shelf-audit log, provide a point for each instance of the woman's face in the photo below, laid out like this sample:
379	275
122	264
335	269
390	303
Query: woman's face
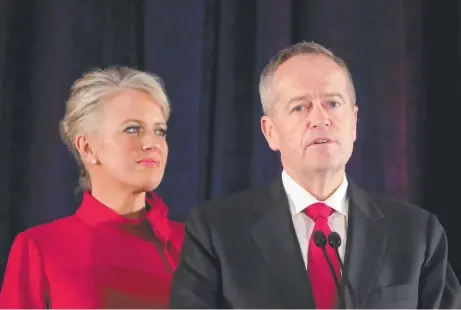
129	142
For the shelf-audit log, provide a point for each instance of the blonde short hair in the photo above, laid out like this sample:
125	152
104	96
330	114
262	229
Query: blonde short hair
302	48
95	85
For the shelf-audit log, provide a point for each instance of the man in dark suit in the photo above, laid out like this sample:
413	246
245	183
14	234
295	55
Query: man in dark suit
268	248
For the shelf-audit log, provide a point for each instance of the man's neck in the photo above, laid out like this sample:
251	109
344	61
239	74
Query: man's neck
321	186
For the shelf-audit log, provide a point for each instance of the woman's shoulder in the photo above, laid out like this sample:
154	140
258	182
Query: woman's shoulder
177	231
54	229
176	226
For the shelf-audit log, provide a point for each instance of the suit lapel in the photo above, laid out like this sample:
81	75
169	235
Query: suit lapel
274	235
366	244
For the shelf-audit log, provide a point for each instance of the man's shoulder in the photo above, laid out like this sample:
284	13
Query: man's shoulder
402	212
399	217
233	205
236	200
393	205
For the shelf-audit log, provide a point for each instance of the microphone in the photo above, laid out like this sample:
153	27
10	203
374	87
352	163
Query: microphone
334	240
321	241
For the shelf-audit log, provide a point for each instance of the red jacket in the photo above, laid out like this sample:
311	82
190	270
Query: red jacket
94	259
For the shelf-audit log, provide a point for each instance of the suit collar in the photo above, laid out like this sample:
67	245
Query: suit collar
365	248
362	200
273	233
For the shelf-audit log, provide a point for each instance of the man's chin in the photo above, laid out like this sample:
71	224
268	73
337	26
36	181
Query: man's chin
323	166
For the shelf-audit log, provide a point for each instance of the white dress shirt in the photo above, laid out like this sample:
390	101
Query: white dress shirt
299	199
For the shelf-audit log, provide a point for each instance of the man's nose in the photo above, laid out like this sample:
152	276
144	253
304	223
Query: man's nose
319	117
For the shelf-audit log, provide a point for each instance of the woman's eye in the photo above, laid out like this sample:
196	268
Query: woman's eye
132	129
160	132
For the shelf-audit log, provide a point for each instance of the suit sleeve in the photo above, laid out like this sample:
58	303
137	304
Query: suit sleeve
439	286
24	282
195	282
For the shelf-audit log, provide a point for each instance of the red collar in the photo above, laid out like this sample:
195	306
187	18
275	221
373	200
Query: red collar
95	213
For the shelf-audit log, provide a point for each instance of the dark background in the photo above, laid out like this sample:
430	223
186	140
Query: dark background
404	56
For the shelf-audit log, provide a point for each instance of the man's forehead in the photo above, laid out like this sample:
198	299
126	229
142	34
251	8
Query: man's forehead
309	81
304	61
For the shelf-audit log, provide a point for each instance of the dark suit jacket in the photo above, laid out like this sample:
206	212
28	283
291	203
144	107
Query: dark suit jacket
242	252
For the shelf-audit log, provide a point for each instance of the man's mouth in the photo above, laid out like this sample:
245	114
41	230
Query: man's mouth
321	141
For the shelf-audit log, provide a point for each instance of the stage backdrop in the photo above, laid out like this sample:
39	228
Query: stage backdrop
403	54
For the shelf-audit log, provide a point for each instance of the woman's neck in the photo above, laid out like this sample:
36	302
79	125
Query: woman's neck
128	204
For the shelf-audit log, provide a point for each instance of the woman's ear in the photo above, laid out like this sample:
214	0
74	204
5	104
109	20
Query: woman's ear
85	149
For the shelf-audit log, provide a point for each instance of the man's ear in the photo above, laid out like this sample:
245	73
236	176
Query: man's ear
355	111
270	133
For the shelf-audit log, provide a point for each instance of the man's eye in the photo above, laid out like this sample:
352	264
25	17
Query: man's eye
297	108
333	104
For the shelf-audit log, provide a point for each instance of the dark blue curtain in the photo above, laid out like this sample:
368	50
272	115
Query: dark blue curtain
404	56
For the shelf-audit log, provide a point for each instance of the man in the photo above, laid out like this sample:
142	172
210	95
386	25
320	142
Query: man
268	248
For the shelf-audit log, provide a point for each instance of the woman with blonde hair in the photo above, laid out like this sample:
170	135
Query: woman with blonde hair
119	250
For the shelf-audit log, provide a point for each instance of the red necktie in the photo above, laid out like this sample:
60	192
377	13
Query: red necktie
322	281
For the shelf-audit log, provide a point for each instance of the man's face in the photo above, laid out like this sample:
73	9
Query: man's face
312	120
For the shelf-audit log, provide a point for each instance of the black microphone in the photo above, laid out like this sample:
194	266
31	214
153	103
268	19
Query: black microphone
334	240
321	241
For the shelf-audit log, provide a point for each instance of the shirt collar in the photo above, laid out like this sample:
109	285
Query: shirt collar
95	213
301	198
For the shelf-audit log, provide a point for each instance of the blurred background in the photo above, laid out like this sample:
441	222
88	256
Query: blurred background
404	55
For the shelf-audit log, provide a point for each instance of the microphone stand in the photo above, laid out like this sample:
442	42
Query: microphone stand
321	241
334	240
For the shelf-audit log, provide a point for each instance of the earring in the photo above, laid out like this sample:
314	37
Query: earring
93	161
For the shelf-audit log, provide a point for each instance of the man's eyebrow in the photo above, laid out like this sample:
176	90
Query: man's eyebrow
297	98
334	95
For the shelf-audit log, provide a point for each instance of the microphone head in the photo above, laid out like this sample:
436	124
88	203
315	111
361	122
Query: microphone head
334	240
320	239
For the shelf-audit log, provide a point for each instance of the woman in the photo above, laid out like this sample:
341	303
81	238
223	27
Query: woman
119	249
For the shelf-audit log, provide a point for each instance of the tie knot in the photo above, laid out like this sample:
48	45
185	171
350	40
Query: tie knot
318	210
